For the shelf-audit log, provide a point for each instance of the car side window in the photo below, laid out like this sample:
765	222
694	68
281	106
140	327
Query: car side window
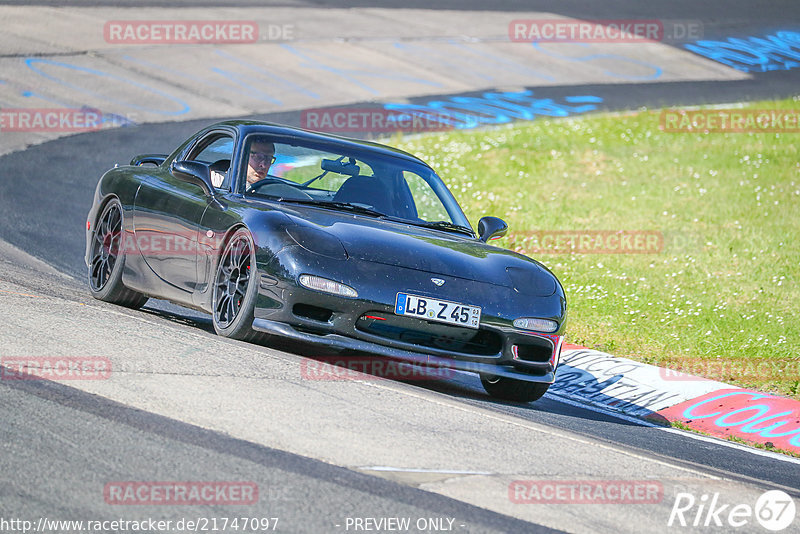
216	152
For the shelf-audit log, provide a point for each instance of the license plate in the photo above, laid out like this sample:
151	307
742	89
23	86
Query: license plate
438	310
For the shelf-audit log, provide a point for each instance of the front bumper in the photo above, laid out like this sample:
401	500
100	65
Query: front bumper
368	324
340	342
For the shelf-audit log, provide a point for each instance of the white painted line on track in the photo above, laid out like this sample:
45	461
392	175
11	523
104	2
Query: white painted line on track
514	420
700	437
417	470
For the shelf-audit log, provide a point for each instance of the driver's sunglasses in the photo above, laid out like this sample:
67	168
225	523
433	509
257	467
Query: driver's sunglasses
262	158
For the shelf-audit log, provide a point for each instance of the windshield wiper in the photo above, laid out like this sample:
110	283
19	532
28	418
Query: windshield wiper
343	206
445	225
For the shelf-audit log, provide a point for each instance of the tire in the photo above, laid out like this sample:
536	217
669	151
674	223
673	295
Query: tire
236	289
107	260
505	388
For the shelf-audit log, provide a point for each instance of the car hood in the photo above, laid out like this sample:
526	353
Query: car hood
423	249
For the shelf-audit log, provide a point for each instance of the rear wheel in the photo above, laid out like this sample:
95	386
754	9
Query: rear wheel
107	260
506	388
236	289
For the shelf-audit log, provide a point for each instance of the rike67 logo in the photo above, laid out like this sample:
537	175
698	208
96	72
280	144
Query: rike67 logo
774	510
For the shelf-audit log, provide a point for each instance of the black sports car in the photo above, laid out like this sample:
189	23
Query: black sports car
326	240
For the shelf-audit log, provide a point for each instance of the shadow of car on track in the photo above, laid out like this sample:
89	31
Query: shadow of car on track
328	365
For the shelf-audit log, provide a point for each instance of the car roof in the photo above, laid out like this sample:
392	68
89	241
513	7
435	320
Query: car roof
247	127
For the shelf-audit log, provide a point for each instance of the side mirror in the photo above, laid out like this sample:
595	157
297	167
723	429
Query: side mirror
193	173
491	228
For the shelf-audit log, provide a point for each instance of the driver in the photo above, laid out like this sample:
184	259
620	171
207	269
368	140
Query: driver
262	156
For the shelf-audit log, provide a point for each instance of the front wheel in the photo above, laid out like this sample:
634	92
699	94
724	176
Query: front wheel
505	388
107	259
236	289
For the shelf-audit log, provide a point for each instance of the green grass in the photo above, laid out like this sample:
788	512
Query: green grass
721	297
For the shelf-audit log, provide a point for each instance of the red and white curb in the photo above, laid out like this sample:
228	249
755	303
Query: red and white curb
663	396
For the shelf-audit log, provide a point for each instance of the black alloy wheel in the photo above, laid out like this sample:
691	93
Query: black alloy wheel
107	260
236	289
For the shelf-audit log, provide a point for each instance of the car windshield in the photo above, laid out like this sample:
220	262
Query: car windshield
364	182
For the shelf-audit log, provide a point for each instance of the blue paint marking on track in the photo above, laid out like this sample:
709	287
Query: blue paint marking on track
585	98
655	74
456	111
235	87
235	77
262	71
779	51
351	74
482	64
443	60
112	118
32	94
32	64
496	59
463	112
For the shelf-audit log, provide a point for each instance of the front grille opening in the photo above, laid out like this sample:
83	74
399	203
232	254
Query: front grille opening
431	335
315	313
533	353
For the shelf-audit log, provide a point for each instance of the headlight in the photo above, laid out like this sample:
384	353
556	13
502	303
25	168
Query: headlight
327	286
537	325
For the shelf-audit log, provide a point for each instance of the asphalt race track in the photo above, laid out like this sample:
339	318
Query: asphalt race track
326	456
